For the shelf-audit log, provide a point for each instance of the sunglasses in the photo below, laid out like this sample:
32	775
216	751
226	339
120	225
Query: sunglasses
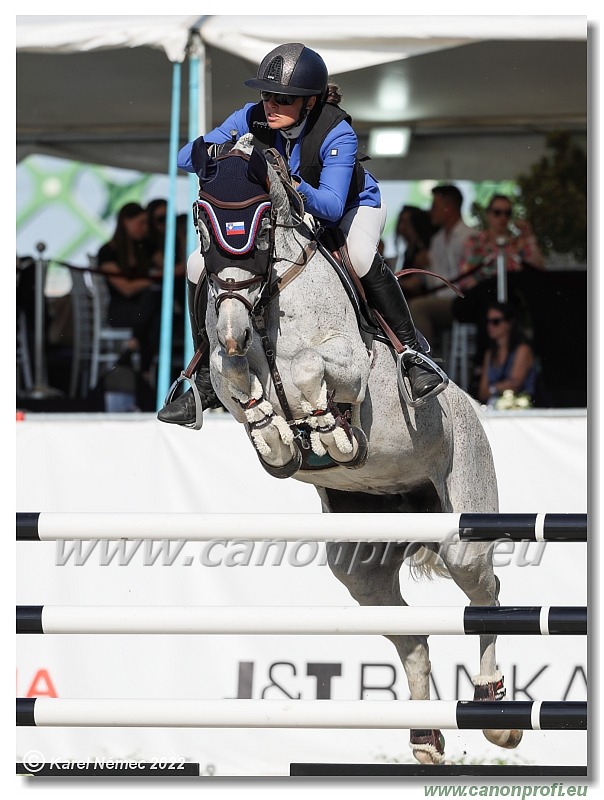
159	218
495	320
280	99
501	212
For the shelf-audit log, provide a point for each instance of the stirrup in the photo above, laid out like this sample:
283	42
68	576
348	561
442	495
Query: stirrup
401	370
196	426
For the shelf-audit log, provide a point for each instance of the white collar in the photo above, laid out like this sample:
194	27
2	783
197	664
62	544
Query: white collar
294	131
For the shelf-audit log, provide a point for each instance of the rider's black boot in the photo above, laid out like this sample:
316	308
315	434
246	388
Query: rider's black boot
383	291
182	410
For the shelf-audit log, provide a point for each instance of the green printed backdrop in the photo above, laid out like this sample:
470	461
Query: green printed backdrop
71	207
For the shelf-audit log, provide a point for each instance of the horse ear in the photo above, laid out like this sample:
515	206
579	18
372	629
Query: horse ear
257	168
203	164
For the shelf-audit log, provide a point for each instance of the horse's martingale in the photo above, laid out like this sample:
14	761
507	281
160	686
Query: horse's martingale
390	457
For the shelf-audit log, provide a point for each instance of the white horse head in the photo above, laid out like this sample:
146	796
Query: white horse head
237	235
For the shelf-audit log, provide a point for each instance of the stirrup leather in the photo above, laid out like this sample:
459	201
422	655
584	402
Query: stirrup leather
196	426
409	354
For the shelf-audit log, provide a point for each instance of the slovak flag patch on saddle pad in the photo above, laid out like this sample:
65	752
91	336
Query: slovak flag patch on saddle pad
235	228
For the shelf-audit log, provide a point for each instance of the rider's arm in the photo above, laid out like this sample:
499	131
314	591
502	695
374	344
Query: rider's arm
223	133
338	154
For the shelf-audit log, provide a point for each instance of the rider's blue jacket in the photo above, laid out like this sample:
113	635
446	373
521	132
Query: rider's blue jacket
338	150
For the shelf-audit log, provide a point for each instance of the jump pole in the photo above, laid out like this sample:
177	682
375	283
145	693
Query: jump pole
397	714
348	527
296	620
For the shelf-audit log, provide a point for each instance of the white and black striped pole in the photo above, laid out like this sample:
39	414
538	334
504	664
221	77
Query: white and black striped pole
347	527
300	620
363	714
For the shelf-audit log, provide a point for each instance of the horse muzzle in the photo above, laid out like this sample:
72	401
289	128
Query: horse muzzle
237	347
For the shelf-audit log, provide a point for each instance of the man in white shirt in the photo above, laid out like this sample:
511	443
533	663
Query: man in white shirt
432	312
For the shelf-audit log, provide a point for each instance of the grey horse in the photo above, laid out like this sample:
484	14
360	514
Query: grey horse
290	321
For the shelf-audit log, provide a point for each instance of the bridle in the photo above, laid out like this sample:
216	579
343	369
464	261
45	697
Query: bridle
219	255
259	210
230	288
263	219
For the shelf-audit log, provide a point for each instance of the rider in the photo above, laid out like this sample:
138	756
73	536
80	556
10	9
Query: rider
314	135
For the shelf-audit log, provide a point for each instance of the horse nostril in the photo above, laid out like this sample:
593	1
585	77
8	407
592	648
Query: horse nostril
231	346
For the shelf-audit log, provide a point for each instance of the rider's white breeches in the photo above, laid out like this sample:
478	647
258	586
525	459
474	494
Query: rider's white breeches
195	265
361	226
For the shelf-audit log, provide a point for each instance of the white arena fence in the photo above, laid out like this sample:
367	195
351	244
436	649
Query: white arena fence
531	715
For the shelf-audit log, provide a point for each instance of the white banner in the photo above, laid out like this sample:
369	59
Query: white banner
137	464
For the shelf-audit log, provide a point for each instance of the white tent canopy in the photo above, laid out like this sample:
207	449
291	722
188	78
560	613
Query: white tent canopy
71	34
97	88
354	42
346	42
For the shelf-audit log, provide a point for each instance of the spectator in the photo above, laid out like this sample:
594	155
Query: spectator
157	211
432	312
509	362
413	234
479	262
133	280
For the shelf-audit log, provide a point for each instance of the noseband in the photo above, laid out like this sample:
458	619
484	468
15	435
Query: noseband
231	287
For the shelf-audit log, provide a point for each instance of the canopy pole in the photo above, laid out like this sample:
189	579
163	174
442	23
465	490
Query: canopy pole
167	304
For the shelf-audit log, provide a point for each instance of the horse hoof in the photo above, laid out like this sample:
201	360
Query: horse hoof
509	739
362	449
428	746
425	758
286	470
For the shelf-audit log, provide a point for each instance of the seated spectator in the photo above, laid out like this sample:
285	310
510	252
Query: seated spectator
509	362
414	229
134	283
432	312
518	248
157	211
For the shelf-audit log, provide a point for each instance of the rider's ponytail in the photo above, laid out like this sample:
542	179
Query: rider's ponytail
333	94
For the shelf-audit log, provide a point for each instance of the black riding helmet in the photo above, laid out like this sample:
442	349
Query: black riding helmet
292	69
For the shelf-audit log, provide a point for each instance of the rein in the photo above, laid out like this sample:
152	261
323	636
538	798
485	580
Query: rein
259	323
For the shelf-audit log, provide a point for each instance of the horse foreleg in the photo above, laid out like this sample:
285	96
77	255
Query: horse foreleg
311	370
242	393
470	566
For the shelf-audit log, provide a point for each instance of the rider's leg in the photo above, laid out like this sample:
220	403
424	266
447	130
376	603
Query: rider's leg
182	410
362	227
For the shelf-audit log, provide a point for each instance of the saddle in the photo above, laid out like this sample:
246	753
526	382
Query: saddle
372	326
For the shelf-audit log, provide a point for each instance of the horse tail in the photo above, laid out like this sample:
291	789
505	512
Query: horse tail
427	564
